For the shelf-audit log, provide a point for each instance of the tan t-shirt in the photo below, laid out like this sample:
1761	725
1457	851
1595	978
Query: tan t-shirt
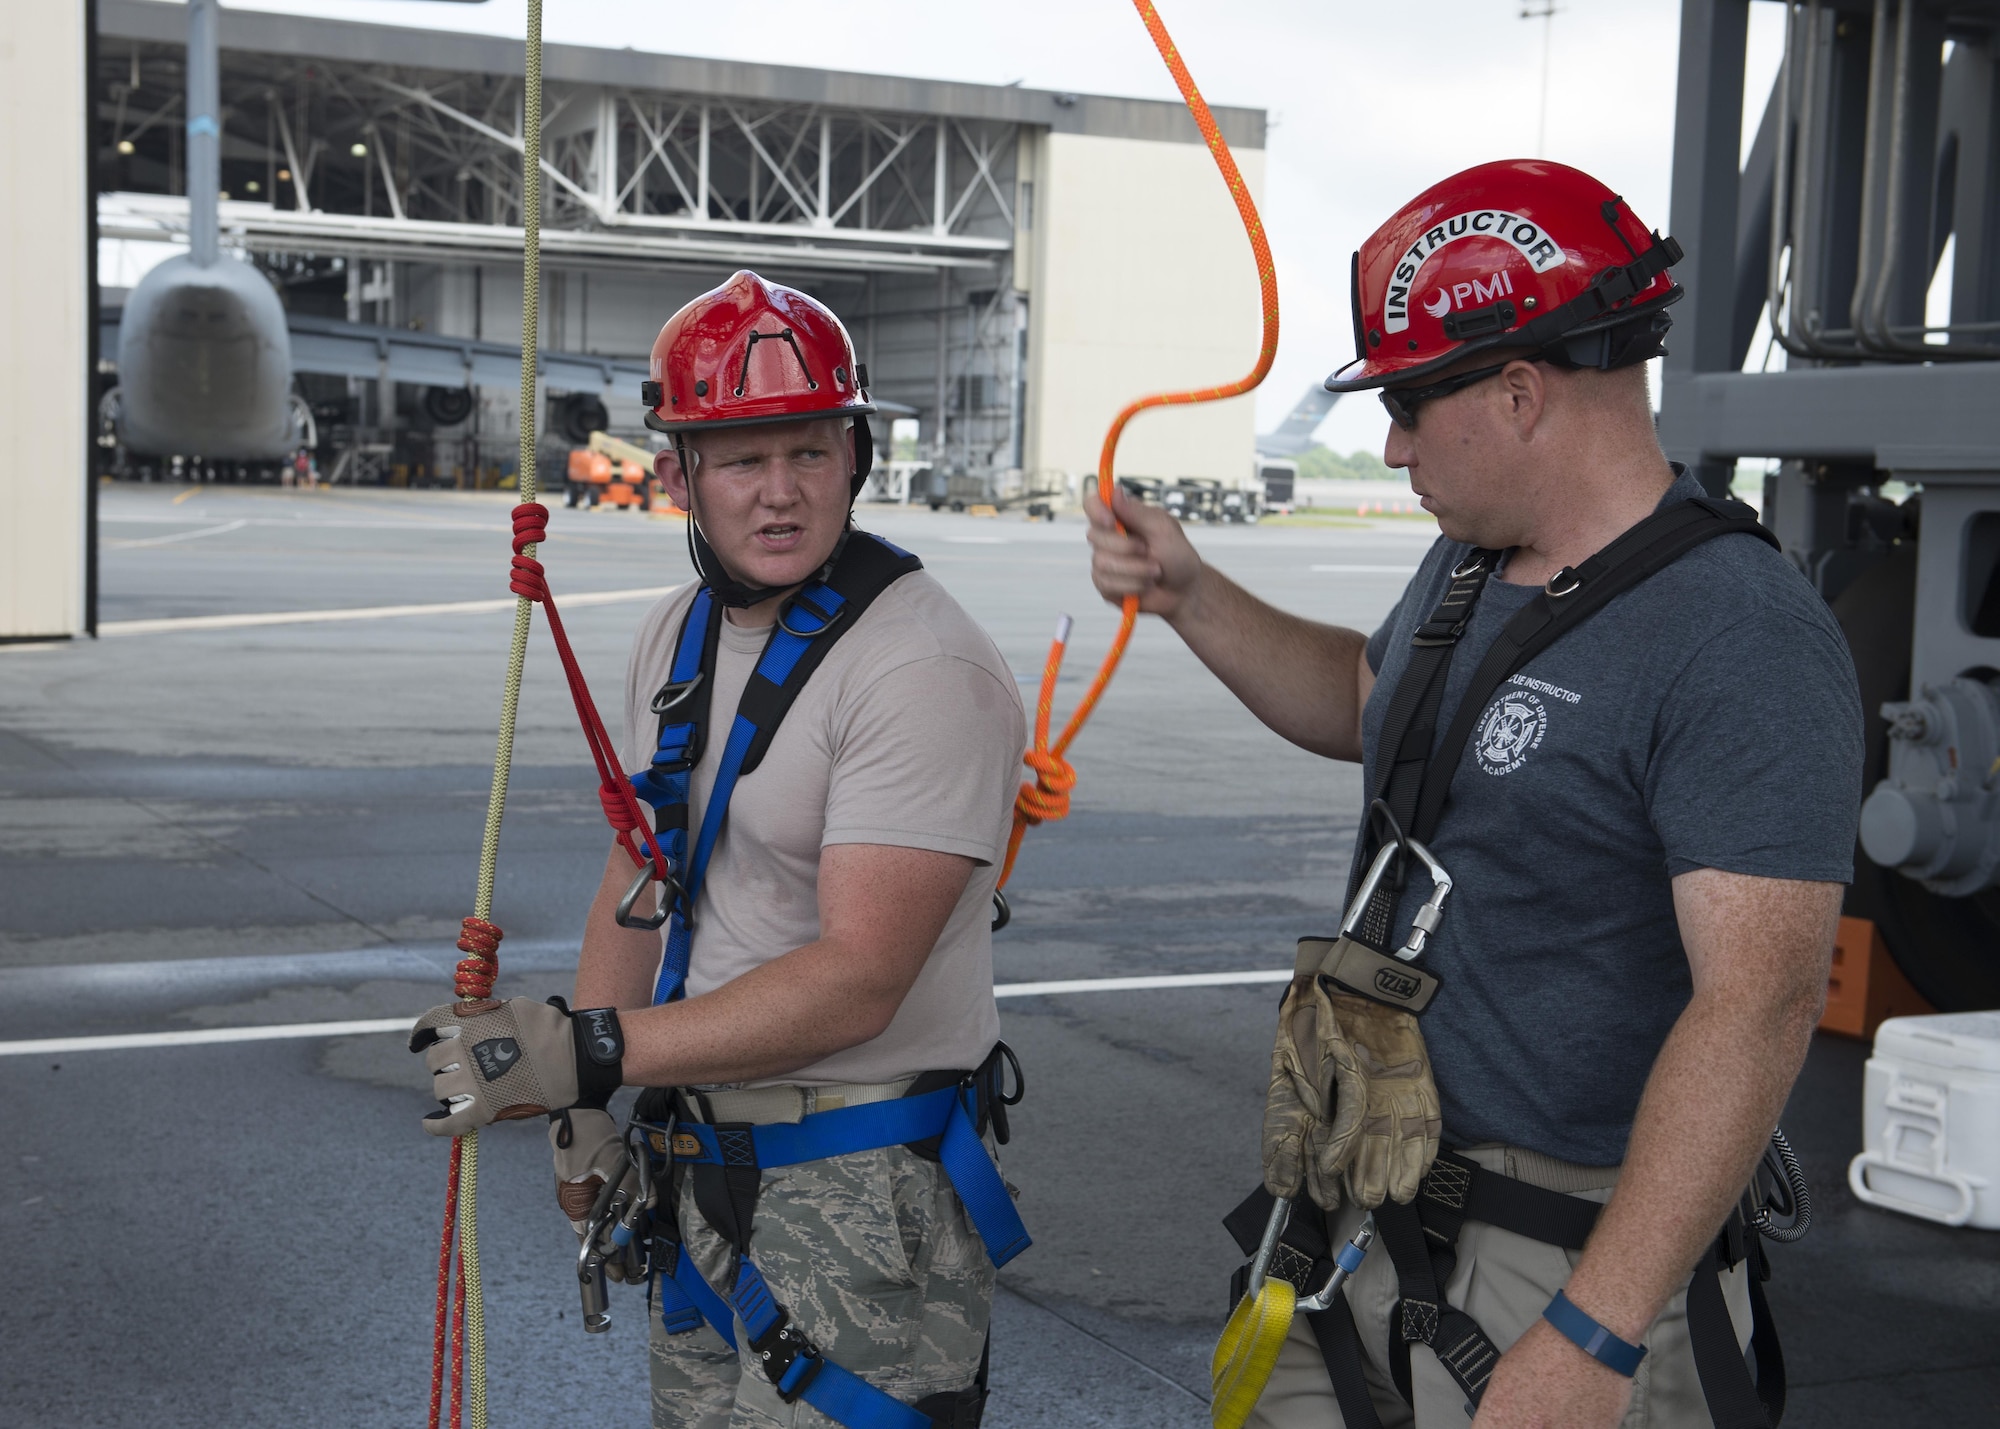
910	733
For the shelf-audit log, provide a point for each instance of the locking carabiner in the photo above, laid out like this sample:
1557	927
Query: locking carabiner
1427	917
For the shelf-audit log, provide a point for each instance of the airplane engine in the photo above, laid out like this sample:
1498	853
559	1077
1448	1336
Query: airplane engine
205	364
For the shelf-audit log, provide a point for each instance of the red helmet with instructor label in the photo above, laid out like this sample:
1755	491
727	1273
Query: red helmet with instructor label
1521	253
756	351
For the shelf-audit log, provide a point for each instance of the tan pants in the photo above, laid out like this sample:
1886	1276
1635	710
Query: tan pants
1503	1281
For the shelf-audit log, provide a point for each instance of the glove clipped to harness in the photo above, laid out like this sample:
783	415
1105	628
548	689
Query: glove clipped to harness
504	1061
1352	1107
1400	1119
1312	1114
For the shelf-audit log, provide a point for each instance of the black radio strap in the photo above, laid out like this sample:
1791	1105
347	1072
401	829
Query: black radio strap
1415	781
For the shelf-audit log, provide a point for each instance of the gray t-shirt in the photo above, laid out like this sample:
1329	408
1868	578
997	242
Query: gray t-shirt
909	735
1706	718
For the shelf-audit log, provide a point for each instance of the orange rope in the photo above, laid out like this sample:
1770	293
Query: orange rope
1048	797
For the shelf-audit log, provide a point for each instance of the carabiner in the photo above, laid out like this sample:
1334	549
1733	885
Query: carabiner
1427	917
670	890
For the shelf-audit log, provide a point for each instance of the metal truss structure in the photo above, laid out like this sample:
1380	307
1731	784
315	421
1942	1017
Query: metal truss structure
1878	154
371	160
370	156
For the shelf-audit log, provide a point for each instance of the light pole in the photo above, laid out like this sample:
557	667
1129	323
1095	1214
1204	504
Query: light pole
1547	15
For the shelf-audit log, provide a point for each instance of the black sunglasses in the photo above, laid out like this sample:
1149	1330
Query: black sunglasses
1402	402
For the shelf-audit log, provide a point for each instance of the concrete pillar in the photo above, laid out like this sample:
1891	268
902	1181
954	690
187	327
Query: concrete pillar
45	312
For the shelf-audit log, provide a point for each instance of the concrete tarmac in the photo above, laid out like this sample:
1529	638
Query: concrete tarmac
279	823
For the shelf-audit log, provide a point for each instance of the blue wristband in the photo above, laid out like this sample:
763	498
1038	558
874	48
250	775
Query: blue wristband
1592	1338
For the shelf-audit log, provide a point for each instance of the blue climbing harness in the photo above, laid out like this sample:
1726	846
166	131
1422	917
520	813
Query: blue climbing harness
728	1159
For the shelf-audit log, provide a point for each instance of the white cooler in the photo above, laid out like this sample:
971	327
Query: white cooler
1931	1120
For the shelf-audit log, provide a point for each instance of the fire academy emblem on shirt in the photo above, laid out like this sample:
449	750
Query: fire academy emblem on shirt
1511	727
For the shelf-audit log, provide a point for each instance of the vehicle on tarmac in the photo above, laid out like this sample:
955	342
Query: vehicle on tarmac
609	471
1278	478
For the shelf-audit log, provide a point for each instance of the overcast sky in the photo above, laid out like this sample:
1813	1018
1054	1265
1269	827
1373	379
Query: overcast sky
1369	102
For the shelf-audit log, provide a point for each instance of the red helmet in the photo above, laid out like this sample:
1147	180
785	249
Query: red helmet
752	351
1518	253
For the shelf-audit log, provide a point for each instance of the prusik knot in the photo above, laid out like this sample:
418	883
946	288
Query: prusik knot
1048	797
531	528
479	940
531	525
619	809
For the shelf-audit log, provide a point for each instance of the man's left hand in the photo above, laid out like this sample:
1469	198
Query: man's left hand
503	1061
1545	1382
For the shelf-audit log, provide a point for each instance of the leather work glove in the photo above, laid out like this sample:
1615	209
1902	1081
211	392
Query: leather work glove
502	1061
1313	1112
589	1151
1400	1119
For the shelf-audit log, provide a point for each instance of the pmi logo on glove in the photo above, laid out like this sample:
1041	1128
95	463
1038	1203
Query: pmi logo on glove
496	1057
603	1038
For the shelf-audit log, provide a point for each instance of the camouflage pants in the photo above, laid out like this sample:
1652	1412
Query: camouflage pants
879	1264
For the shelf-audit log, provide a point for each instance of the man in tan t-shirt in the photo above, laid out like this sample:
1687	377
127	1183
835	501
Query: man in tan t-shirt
825	974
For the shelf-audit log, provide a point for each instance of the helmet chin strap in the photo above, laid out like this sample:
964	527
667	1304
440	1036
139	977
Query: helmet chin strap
715	574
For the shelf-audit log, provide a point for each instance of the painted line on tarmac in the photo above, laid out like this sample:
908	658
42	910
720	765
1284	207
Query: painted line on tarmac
291	1031
173	624
223	529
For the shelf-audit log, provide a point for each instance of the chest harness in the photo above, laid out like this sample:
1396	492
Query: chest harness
1413	774
942	1117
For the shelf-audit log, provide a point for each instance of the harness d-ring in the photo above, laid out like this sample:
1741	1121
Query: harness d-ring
1564	582
661	702
669	885
802	634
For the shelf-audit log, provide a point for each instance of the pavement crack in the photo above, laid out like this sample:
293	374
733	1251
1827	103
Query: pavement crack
1117	1350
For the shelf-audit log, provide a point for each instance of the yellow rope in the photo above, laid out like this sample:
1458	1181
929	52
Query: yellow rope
475	1305
510	699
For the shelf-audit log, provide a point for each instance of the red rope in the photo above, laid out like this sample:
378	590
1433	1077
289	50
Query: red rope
438	1332
621	804
458	1347
475	973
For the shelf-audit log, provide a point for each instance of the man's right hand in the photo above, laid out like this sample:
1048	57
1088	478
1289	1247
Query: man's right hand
1151	558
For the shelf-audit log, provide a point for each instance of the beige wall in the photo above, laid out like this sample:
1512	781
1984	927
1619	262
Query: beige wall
1140	280
43	315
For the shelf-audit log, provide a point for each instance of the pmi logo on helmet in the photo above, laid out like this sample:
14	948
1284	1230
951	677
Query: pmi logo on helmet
1476	294
1527	238
1401	986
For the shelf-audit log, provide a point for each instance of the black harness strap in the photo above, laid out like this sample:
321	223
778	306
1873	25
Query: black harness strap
1415	783
1340	1346
1571	596
1410	726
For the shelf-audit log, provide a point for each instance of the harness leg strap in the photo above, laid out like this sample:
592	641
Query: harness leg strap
1340	1346
1733	1401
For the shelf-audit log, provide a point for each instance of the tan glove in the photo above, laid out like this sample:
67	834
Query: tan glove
502	1061
1313	1112
1400	1120
589	1152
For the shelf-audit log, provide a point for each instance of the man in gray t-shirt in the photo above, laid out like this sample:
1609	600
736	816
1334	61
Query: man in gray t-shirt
1649	828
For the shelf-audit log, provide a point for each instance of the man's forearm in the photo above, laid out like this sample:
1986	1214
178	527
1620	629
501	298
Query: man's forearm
1299	677
1715	1092
778	1017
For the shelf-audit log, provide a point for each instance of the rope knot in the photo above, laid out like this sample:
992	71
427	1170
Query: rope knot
1048	797
531	525
618	808
480	941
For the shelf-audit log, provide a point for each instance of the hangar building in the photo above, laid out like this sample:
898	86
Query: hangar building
1004	256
